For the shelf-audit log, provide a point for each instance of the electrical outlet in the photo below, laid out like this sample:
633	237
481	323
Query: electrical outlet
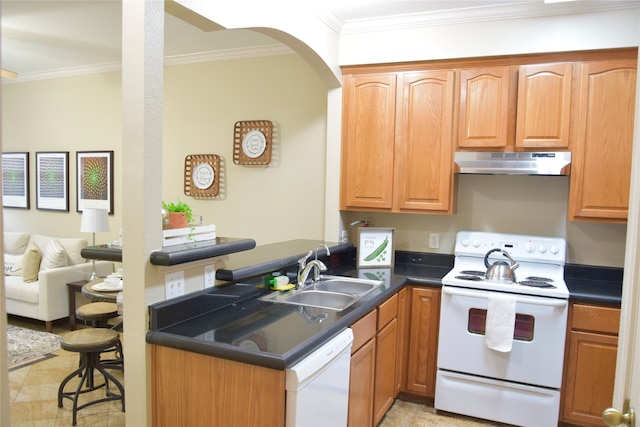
174	283
434	240
209	276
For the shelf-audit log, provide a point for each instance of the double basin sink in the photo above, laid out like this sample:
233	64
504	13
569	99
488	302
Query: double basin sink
330	293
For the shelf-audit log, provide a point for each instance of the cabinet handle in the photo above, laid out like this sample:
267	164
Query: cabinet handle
535	301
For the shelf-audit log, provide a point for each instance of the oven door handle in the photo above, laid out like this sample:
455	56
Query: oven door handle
549	302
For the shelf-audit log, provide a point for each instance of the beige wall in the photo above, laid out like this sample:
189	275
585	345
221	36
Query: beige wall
65	114
202	103
535	205
285	200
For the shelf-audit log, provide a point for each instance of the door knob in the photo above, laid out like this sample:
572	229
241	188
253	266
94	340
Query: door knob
613	417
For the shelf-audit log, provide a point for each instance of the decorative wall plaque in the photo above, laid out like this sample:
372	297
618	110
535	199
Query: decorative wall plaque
252	141
202	175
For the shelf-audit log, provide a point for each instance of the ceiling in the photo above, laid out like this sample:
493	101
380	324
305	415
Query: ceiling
43	39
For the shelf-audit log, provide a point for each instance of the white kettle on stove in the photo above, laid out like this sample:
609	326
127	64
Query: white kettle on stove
500	271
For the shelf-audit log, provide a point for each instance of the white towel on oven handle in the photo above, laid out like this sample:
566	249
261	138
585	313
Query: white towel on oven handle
500	323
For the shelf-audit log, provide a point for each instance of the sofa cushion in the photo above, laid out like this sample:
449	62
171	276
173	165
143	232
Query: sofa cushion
72	246
31	263
54	256
16	289
15	242
13	265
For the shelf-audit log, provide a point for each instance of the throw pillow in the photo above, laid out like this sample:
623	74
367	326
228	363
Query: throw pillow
12	265
31	263
54	256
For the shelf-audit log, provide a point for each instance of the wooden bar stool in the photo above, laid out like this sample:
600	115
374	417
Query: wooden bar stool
97	314
90	343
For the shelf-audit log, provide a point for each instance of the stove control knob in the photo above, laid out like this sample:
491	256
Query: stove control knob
476	243
554	250
542	249
465	242
529	247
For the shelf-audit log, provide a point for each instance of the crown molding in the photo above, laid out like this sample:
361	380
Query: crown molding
192	58
532	9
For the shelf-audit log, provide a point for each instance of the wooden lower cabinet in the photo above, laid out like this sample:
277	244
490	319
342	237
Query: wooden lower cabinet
386	352
373	384
422	351
590	363
190	389
363	370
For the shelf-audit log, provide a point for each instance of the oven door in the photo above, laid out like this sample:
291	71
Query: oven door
537	353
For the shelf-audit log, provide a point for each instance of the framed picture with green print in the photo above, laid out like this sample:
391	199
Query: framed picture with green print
375	247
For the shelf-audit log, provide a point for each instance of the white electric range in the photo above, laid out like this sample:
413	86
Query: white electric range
521	385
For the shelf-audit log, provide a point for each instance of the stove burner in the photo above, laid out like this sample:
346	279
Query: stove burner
472	273
539	279
470	277
536	284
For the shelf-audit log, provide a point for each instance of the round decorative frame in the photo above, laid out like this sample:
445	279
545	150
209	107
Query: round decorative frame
202	175
252	142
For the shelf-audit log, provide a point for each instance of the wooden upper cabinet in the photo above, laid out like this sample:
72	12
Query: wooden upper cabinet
424	148
369	115
544	106
397	145
484	107
601	161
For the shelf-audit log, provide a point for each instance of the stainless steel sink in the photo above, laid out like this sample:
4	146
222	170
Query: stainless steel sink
322	299
330	293
347	285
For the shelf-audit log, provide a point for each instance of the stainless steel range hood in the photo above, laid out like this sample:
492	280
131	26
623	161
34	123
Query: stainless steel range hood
499	163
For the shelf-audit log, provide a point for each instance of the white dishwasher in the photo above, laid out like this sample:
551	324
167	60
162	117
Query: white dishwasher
318	386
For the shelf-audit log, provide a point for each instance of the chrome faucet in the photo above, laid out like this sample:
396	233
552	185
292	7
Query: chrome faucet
322	245
304	268
302	263
317	266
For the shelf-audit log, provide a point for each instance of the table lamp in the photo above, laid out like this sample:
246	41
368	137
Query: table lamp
94	221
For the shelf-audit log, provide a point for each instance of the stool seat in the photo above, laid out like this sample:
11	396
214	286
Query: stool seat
84	340
96	311
90	343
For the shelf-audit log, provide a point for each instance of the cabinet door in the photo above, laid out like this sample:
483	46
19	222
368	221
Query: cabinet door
424	148
190	389
601	161
590	377
361	385
403	339
484	107
385	377
544	106
423	341
369	108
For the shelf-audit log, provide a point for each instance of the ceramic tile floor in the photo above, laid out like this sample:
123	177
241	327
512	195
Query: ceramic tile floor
34	392
34	388
404	413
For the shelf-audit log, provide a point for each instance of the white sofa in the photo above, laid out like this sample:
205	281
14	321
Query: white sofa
37	287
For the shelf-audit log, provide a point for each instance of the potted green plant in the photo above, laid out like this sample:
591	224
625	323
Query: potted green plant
180	214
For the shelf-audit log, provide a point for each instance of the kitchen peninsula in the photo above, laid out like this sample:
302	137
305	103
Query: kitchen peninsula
211	348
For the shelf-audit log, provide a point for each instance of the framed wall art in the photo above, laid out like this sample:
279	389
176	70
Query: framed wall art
15	180
52	181
252	141
375	248
94	180
202	175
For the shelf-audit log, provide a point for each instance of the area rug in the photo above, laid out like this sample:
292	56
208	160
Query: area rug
25	345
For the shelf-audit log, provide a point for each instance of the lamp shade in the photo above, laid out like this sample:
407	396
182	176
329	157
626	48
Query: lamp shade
94	220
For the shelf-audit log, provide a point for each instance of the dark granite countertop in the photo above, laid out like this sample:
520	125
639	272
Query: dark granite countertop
273	257
231	322
196	251
596	285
